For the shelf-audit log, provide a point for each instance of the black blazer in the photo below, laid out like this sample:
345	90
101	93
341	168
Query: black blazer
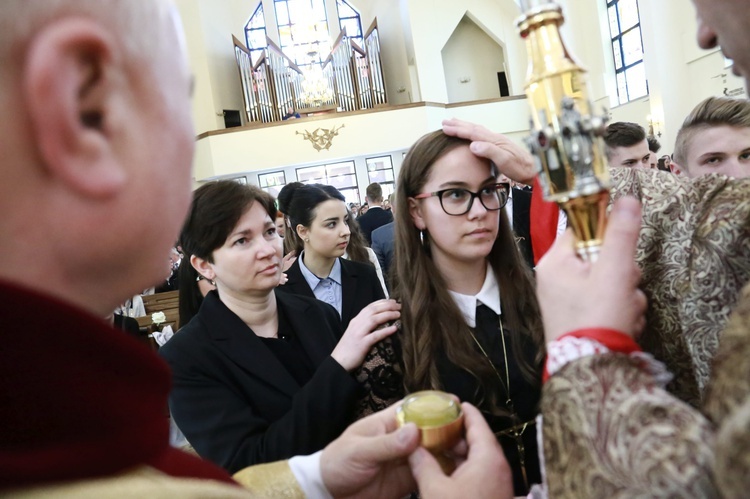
521	224
234	400
374	218
359	282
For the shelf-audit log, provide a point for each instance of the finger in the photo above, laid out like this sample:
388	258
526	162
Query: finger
425	468
471	131
460	449
639	327
384	320
459	128
379	423
562	250
641	301
390	446
621	236
476	426
379	334
482	443
389	314
383	305
510	160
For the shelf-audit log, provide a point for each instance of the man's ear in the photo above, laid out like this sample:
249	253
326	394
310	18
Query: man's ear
70	77
676	169
203	267
415	211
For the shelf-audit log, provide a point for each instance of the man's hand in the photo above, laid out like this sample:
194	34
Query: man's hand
484	472
512	160
369	458
574	294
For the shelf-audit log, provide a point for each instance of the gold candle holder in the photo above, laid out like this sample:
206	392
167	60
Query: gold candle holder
566	136
440	421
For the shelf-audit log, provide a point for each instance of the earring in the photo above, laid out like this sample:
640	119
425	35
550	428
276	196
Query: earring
421	237
307	239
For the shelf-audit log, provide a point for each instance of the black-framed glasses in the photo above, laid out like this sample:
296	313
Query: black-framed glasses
457	201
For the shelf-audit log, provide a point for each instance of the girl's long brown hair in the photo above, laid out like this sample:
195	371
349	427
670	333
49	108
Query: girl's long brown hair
432	324
357	249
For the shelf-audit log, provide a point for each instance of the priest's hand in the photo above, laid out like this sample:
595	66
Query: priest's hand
484	473
369	460
511	159
574	294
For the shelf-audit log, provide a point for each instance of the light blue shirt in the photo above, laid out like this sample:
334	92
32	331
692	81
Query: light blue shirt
327	289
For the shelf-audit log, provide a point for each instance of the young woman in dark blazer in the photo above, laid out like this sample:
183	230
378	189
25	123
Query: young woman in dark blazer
470	319
321	219
260	375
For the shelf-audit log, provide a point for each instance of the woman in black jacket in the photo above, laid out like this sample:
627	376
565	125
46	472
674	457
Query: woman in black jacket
260	375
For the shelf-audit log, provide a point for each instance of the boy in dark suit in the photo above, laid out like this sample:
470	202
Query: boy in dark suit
376	216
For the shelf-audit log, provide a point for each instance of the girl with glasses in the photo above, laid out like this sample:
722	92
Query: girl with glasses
470	322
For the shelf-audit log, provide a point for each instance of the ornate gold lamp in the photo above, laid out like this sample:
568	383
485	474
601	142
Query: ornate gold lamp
565	133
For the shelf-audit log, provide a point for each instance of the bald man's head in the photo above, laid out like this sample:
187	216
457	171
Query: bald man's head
97	143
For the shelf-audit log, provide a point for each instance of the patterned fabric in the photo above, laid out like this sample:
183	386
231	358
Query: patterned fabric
381	376
728	402
694	251
270	480
610	431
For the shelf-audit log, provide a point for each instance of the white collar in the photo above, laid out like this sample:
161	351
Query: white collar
489	295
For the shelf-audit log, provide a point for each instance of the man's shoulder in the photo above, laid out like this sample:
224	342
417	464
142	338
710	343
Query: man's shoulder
384	232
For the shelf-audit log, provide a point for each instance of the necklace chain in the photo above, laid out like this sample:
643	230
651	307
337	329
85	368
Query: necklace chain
515	431
506	383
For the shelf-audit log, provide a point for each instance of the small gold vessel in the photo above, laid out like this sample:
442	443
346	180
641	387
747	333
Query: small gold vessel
440	421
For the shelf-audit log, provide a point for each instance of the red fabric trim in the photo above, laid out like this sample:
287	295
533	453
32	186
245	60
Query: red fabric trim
616	341
176	463
543	219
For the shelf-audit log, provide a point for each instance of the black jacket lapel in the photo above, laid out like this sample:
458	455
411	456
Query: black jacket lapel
349	287
301	313
240	344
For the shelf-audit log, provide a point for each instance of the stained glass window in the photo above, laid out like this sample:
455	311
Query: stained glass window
255	34
627	49
303	29
349	19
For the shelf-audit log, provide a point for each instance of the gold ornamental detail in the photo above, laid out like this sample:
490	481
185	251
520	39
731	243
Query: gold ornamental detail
321	138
